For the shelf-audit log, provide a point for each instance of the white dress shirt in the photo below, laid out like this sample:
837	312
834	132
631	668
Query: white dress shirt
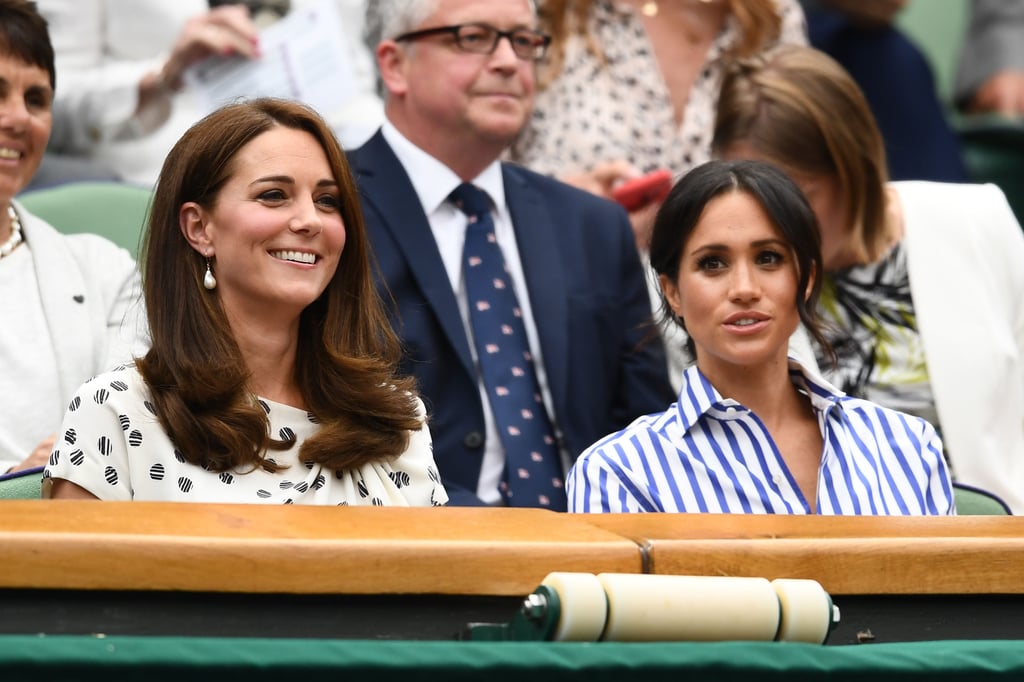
434	182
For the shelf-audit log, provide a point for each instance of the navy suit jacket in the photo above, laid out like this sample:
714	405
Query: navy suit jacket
604	362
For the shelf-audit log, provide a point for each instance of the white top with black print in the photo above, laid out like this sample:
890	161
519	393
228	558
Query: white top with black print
112	444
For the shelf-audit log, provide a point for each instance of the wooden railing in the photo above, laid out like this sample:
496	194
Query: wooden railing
502	552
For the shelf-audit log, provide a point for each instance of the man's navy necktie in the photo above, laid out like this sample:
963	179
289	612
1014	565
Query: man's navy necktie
533	469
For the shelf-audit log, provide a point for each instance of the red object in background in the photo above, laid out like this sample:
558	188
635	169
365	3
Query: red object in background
639	192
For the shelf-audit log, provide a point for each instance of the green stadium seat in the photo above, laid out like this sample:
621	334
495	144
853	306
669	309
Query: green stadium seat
24	485
994	152
113	210
971	501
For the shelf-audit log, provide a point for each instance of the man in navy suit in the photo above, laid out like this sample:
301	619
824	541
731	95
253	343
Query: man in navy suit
459	76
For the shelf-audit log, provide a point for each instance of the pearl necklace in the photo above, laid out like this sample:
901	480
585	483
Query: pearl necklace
15	238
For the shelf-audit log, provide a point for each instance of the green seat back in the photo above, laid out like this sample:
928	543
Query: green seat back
938	28
993	148
971	501
22	486
994	152
113	210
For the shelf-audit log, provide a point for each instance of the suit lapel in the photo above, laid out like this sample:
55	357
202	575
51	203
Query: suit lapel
544	270
384	184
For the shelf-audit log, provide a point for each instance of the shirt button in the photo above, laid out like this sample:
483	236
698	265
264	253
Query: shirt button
473	439
777	479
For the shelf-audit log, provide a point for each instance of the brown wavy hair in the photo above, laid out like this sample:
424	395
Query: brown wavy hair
347	355
758	21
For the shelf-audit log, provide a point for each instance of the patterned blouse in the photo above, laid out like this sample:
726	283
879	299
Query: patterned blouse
112	444
874	333
622	109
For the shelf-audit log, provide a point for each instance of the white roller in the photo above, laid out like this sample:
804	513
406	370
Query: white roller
584	606
694	608
806	610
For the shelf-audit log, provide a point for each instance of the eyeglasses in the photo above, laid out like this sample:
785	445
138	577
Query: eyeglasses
483	39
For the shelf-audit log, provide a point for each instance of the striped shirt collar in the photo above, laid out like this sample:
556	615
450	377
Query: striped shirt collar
697	396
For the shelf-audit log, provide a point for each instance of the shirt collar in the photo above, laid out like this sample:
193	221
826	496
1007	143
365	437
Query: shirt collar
697	395
434	181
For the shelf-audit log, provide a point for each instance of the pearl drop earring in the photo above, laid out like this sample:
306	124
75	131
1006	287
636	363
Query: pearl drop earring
209	281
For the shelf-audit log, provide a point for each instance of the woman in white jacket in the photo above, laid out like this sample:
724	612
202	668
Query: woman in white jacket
71	303
925	283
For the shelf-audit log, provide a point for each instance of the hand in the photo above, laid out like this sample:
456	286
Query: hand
1002	93
226	30
39	457
868	12
603	177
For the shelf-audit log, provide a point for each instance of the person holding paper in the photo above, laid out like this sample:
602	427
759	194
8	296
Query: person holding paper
124	102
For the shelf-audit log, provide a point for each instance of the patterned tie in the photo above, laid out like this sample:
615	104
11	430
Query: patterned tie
533	470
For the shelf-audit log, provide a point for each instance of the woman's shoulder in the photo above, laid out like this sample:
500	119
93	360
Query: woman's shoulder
940	213
92	251
947	193
875	416
657	425
121	380
421	408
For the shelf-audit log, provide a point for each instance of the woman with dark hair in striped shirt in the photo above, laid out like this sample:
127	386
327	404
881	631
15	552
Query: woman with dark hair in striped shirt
738	254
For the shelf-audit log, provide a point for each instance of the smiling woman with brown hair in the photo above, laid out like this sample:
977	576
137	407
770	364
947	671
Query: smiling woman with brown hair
273	371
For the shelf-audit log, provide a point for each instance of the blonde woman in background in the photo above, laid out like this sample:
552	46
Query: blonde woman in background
631	86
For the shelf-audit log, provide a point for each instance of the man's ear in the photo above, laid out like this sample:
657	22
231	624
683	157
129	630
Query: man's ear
391	63
193	224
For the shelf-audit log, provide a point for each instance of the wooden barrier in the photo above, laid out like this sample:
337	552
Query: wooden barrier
846	554
64	544
176	569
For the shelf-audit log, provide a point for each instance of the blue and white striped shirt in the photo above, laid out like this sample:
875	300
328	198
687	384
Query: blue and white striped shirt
707	453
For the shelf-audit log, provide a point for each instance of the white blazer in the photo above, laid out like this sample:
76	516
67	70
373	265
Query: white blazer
965	254
91	298
107	326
